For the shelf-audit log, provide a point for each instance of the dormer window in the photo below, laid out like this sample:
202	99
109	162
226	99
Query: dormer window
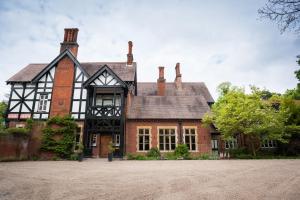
43	103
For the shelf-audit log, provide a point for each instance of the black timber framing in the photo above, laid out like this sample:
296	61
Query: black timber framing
78	80
104	124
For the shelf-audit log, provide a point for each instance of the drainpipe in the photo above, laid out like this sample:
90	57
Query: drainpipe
180	132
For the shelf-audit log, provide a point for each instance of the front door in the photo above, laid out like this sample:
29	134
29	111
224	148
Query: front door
104	142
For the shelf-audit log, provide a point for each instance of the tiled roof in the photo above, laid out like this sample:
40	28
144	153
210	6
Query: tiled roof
167	107
126	73
188	89
27	73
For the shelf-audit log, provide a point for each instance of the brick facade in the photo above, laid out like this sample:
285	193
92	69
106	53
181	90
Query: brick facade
63	88
203	134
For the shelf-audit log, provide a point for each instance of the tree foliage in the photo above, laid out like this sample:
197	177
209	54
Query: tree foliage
3	107
236	112
286	13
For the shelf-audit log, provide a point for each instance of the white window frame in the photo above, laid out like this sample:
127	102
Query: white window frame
190	136
117	140
176	137
231	144
94	142
43	103
20	125
214	144
137	138
268	144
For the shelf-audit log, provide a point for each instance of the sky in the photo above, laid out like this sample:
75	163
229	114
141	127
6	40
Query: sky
214	41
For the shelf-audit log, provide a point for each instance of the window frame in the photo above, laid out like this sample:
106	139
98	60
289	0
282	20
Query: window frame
137	138
196	136
233	142
117	140
94	144
42	104
176	137
273	145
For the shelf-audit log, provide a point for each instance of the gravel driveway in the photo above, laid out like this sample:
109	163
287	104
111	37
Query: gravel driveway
99	179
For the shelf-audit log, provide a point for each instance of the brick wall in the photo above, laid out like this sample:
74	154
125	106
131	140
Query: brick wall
62	88
203	142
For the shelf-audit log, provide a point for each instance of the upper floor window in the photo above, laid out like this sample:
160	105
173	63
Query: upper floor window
167	139
268	144
231	144
189	138
42	107
143	139
108	100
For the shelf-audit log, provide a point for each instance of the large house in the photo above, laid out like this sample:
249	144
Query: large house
109	104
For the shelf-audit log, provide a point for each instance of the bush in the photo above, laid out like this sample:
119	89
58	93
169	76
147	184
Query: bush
235	153
170	156
74	156
182	151
65	128
130	156
153	153
140	157
18	132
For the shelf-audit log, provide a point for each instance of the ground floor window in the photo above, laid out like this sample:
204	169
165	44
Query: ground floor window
189	138
117	140
167	139
143	139
268	144
94	140
214	144
20	125
231	144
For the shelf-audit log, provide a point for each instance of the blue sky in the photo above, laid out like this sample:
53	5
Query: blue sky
215	41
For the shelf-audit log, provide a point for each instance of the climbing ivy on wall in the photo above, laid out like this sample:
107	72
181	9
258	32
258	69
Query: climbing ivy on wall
59	136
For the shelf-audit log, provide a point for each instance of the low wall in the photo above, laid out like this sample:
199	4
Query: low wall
12	148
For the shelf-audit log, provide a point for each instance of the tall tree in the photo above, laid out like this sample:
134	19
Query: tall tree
236	112
286	13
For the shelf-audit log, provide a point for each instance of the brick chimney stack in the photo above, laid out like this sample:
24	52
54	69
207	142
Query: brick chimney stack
161	82
178	82
129	55
70	41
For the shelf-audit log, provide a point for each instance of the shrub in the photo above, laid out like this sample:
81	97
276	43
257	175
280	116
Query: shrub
74	156
18	132
235	153
153	153
182	151
170	156
140	157
65	130
130	156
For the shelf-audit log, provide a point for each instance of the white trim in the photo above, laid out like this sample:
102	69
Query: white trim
20	125
176	137
137	137
196	136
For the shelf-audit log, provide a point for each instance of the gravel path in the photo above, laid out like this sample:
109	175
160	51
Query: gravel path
99	179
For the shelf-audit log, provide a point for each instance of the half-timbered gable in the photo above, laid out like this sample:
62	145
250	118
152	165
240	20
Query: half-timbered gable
43	95
79	95
21	101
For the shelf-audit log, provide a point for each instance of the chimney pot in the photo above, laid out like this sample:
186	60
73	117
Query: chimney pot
129	55
70	41
178	82
161	82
